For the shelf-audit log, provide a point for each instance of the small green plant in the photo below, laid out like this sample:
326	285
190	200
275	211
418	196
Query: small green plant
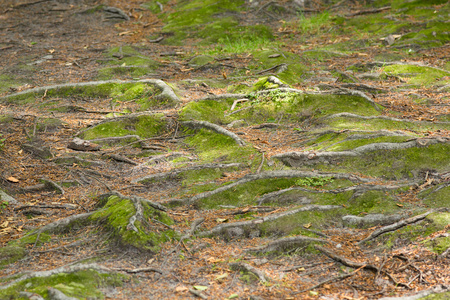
314	181
3	204
2	141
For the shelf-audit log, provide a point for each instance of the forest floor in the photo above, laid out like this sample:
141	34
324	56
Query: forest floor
289	152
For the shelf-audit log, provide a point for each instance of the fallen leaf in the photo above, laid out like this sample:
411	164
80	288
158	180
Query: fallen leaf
4	224
307	225
219	220
180	289
200	287
399	205
221	277
233	296
12	179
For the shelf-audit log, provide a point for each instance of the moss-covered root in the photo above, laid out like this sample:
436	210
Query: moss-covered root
80	281
136	223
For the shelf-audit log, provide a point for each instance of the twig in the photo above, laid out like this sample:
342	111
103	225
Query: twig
332	279
261	164
236	102
149	269
194	226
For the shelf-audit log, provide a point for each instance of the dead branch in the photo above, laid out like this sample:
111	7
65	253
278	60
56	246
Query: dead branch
247	268
216	128
395	226
139	270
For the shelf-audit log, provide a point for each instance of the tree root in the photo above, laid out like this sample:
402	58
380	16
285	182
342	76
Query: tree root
396	226
174	173
357	265
270	175
247	268
330	280
194	226
166	91
296	159
63	269
133	198
216	128
350	115
221	227
139	270
62	224
284	243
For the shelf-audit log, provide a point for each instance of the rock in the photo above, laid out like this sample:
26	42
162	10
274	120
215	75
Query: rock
4	197
55	294
83	145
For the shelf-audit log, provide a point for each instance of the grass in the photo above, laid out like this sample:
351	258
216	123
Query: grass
314	24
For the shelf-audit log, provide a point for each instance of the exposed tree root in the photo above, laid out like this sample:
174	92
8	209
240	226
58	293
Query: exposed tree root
218	229
138	216
166	91
247	268
63	224
296	159
344	91
63	269
216	128
361	188
330	280
396	226
194	226
174	173
421	295
289	242
350	115
133	198
139	270
270	175
357	265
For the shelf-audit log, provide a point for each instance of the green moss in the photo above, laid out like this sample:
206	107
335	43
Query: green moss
124	72
395	164
84	284
292	70
440	296
417	75
342	123
209	146
372	202
117	213
129	56
271	106
10	254
143	126
7	82
441	220
352	144
153	6
438	196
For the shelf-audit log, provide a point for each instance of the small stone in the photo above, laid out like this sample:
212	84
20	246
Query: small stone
83	145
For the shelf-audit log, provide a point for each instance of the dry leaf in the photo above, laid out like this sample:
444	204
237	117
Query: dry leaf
180	289
200	287
307	225
12	179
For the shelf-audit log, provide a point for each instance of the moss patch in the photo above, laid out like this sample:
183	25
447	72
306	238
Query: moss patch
418	75
143	126
10	254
